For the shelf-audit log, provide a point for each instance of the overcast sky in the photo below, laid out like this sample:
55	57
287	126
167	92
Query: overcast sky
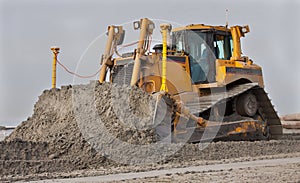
29	28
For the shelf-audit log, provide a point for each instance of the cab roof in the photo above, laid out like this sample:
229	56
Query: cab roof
201	26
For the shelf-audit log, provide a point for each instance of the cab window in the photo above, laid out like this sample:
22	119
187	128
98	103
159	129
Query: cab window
178	41
223	47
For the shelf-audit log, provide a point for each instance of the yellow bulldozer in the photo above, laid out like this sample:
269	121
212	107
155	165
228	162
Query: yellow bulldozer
204	87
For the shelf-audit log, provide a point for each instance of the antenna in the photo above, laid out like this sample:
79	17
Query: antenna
226	15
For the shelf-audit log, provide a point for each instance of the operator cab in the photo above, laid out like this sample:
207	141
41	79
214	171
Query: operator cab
203	45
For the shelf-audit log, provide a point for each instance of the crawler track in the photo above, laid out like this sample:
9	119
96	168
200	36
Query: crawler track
265	108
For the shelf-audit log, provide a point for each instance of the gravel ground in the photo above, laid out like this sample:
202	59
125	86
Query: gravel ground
282	173
189	155
210	171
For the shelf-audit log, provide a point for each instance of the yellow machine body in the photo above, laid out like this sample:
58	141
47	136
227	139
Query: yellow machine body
198	59
236	69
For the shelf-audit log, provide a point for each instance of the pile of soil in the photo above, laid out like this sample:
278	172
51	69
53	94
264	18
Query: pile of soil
64	118
53	122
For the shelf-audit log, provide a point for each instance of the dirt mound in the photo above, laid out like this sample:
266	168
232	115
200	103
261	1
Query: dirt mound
60	115
122	113
53	122
64	118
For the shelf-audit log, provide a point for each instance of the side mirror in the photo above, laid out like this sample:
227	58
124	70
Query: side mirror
136	25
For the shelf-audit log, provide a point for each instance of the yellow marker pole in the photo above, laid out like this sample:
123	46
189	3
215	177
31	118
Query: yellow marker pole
164	28
55	51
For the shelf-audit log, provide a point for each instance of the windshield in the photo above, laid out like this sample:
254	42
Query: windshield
197	45
201	56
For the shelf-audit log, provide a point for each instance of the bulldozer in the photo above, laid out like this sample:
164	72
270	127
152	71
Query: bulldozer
204	87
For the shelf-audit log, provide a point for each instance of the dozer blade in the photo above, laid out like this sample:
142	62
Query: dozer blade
162	118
